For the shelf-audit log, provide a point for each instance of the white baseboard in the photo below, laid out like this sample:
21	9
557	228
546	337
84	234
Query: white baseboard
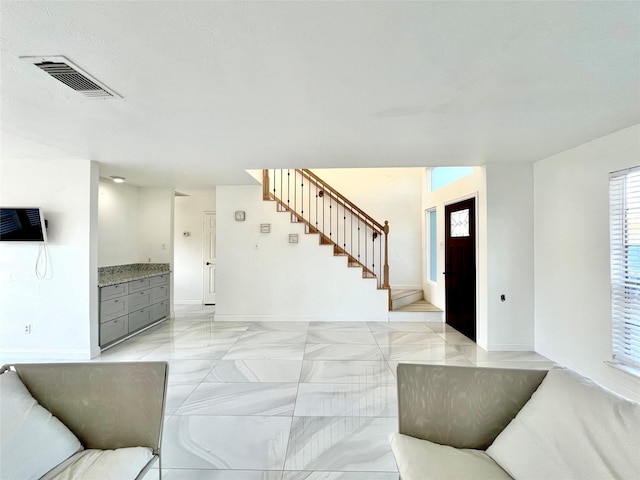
302	318
187	302
510	347
43	354
429	317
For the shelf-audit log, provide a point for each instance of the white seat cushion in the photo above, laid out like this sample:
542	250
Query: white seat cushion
571	428
32	441
423	460
119	464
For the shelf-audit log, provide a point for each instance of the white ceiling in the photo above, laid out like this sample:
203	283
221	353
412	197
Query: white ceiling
213	88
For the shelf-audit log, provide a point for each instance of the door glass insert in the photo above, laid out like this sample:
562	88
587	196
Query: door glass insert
460	223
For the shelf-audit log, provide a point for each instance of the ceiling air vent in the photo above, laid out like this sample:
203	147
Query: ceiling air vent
63	70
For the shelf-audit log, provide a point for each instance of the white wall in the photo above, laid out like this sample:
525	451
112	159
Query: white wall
62	308
188	260
509	250
262	276
155	225
133	223
392	194
117	224
572	290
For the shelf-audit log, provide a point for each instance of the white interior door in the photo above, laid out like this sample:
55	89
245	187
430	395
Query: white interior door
209	249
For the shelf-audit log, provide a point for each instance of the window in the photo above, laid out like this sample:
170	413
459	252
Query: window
460	223
432	246
624	217
443	176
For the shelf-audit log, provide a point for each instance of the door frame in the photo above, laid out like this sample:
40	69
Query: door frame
445	204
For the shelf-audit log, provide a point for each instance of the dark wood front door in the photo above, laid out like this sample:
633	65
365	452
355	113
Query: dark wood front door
460	266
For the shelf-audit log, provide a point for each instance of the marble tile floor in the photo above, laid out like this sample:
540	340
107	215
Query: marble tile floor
289	400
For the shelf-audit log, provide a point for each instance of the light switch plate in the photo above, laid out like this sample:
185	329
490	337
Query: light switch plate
293	238
265	227
240	216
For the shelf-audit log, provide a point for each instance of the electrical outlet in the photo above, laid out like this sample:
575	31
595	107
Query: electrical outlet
27	328
163	246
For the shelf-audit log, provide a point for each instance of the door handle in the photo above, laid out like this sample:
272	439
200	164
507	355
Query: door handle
209	263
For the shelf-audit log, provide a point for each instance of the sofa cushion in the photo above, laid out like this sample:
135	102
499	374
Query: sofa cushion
32	441
571	428
90	464
423	460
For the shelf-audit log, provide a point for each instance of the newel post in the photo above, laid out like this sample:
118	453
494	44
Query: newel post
386	255
265	184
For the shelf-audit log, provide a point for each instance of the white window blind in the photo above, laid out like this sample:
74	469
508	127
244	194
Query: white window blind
624	215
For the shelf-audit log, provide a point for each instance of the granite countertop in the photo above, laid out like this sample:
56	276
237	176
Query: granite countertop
133	271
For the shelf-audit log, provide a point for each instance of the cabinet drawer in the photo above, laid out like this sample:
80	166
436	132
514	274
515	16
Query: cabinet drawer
139	319
135	285
113	291
114	308
159	293
159	310
159	279
113	330
139	300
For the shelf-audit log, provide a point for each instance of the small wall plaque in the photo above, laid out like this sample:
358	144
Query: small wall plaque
240	216
265	227
293	238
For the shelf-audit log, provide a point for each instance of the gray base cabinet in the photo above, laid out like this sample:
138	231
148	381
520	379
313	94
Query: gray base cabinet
128	307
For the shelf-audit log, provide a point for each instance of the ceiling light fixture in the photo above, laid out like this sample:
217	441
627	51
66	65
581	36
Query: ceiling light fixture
117	179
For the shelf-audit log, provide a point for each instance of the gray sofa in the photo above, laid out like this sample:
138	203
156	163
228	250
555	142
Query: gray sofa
486	423
81	420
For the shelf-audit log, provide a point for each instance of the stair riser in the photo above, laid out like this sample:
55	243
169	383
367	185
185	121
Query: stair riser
406	300
435	317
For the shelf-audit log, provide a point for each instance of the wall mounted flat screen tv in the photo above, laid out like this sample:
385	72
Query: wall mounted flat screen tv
22	225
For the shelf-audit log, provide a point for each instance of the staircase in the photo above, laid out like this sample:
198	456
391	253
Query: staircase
338	222
403	298
409	306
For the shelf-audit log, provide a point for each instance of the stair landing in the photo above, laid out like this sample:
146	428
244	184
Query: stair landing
409	306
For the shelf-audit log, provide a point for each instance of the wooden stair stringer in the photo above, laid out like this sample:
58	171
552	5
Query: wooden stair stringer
352	262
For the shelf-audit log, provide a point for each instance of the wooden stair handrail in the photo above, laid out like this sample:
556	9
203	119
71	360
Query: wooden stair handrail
383	229
323	237
336	194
